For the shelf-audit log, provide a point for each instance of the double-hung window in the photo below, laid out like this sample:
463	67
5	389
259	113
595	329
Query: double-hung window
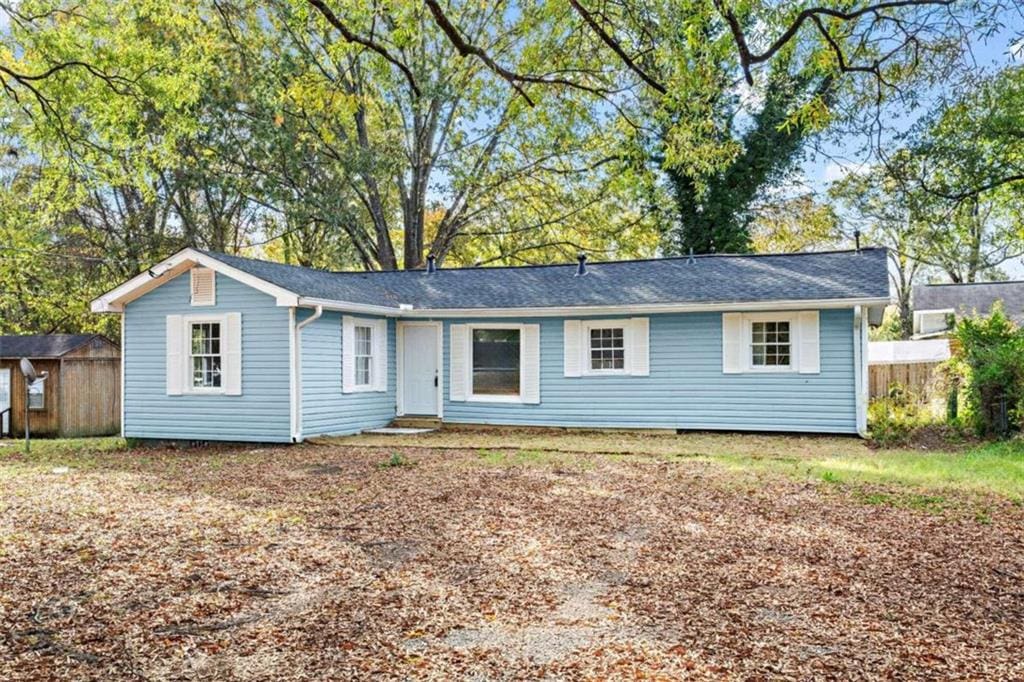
205	352
496	363
363	355
607	350
770	344
364	352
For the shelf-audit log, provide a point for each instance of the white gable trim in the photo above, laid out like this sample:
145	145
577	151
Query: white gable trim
114	300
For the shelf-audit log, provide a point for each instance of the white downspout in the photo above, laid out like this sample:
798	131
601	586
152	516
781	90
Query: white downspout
860	369
297	372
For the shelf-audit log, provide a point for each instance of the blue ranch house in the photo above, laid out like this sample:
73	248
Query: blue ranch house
219	347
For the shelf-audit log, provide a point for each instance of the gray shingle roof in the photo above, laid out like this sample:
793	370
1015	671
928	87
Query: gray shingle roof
43	345
967	298
707	279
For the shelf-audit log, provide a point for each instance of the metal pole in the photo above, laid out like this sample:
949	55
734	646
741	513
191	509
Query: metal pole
28	439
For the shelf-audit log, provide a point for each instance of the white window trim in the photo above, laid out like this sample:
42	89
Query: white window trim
42	394
794	345
187	322
376	325
367	324
585	367
472	396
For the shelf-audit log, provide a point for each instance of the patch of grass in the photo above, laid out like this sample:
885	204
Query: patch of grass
397	459
531	458
77	453
996	468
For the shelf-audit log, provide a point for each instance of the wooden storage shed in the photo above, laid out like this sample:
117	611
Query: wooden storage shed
80	397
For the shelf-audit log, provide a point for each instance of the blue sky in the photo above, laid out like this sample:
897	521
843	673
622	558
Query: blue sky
992	54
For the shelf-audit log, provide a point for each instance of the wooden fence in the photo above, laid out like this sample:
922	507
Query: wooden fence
922	379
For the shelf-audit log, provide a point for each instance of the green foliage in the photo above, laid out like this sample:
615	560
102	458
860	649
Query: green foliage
892	327
988	361
893	420
397	459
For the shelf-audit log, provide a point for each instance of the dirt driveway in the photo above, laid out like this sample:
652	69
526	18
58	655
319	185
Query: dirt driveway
319	562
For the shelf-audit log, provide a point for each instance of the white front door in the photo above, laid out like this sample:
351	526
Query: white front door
420	373
5	400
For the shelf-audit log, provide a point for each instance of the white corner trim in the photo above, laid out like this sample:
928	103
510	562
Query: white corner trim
123	318
113	301
860	370
295	368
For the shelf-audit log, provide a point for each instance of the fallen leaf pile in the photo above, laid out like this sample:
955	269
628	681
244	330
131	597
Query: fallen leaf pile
316	562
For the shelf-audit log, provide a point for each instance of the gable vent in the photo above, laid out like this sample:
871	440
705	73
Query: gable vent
203	286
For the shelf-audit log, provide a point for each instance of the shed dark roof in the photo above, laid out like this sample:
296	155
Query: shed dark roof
705	279
967	298
44	345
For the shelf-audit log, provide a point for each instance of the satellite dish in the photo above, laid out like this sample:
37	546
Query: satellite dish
28	371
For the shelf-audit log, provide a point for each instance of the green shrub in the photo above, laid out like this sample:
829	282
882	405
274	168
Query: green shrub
894	419
988	366
397	459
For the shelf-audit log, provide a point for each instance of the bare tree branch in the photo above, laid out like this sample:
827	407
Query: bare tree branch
368	43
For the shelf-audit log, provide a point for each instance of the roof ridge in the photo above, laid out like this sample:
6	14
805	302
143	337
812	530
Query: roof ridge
966	284
215	254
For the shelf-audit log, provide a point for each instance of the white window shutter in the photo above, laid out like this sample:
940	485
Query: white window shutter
572	349
348	360
639	361
380	355
733	343
204	286
175	354
530	358
809	352
232	367
458	370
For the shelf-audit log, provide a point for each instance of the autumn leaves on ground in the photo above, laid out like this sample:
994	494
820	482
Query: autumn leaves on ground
422	558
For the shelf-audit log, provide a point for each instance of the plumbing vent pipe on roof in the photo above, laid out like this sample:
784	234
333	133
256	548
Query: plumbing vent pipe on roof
581	269
431	264
690	259
856	239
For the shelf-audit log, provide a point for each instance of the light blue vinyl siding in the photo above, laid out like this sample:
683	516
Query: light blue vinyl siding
261	413
325	409
686	388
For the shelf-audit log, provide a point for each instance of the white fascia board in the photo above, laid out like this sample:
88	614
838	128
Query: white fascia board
578	311
642	309
113	301
364	308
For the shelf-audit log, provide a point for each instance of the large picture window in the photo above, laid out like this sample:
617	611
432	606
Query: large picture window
206	354
496	362
770	344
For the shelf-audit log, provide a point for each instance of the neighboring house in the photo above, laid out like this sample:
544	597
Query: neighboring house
937	306
219	347
81	396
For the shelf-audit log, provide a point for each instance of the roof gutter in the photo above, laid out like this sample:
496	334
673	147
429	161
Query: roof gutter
296	382
406	310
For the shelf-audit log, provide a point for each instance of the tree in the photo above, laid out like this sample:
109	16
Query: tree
679	65
876	205
799	223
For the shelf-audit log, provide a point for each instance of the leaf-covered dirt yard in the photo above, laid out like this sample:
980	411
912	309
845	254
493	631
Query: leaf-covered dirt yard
507	555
